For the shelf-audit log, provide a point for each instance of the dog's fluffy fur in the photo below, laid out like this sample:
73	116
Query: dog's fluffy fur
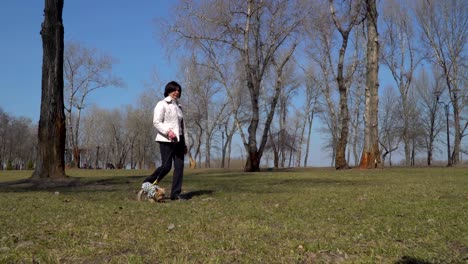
158	197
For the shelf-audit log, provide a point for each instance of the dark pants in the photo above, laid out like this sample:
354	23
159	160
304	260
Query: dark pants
171	151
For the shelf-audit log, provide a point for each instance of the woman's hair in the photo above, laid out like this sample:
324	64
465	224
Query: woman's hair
171	87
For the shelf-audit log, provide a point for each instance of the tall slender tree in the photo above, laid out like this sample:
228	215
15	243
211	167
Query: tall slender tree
50	161
444	35
370	157
400	56
353	11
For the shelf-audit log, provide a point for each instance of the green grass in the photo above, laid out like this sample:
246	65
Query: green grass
397	215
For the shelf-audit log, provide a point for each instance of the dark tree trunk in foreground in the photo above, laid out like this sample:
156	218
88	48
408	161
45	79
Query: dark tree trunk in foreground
371	154
51	135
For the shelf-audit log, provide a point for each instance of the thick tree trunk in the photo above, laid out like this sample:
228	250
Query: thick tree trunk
50	161
253	163
370	157
253	155
340	157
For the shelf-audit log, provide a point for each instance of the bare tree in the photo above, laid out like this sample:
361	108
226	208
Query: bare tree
118	137
352	12
356	120
21	141
431	123
135	124
145	148
285	83
92	138
321	37
444	34
256	31
50	162
400	56
85	71
17	142
202	109
230	79
370	157
330	34
311	98
416	136
389	137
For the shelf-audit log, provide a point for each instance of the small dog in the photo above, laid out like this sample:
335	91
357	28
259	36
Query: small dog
151	192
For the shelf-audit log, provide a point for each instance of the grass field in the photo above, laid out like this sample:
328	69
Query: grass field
396	215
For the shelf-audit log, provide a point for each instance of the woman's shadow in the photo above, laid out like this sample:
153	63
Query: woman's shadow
190	195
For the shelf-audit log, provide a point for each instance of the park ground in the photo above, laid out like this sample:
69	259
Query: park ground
398	215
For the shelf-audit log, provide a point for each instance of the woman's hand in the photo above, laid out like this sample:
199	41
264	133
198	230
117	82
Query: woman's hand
171	135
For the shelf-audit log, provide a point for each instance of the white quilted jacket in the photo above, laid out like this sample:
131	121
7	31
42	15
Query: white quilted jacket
168	116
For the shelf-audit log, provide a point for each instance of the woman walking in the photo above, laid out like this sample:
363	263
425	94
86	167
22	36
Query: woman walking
168	120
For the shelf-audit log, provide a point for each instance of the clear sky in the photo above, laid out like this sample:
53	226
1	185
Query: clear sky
125	30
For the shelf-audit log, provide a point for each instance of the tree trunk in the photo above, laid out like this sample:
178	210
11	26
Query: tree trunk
343	84
309	135
252	163
192	163
275	151
301	141
370	157
340	158
457	141
50	160
340	155
208	149
406	132
429	155
76	157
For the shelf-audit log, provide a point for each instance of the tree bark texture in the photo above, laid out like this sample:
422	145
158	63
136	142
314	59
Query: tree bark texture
253	159
370	157
340	157
50	162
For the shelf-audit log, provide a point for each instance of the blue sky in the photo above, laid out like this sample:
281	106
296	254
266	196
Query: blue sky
126	30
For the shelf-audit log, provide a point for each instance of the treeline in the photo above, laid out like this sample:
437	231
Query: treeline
18	142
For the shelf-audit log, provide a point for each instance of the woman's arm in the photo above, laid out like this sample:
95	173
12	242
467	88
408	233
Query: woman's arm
158	118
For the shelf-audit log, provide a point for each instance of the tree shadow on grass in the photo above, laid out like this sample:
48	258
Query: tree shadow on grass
191	194
233	183
78	184
319	182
